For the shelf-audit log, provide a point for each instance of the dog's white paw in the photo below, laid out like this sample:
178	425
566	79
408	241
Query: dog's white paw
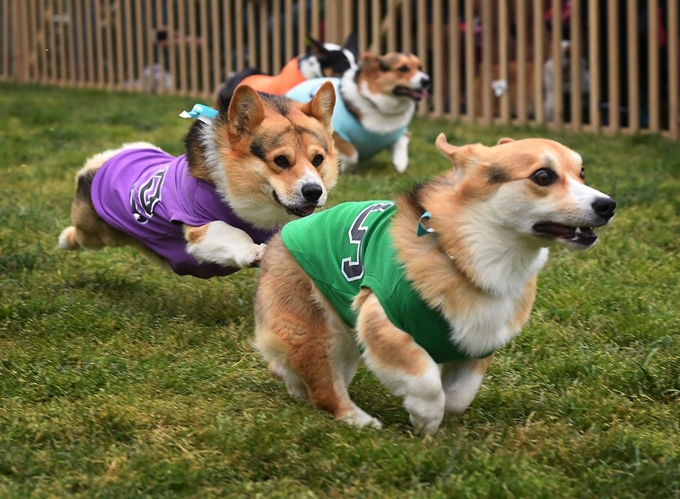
67	239
425	426
400	162
360	418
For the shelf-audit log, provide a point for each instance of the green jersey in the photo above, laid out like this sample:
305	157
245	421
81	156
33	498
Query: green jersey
349	247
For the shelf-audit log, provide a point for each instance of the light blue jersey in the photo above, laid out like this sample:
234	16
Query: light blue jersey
367	143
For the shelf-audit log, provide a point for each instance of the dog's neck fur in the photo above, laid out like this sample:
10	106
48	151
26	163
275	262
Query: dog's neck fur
206	163
378	113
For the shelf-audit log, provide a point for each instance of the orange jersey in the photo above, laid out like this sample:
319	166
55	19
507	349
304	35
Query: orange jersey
289	76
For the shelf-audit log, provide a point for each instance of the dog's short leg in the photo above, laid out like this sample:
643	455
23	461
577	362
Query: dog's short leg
400	153
402	366
461	380
218	242
348	154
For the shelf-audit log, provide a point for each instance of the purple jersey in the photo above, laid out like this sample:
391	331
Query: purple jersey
148	194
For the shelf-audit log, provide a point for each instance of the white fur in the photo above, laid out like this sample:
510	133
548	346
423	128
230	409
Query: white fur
461	384
399	152
348	162
226	245
380	113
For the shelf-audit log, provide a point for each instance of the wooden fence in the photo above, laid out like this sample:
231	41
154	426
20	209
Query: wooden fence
585	64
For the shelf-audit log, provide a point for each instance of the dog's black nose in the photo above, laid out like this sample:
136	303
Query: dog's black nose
424	81
604	207
311	192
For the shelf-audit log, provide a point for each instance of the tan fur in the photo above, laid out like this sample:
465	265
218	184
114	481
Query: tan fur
381	81
343	147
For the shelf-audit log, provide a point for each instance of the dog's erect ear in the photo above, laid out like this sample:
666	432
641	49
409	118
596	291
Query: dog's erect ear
462	158
505	140
322	104
352	44
445	148
315	47
246	110
369	61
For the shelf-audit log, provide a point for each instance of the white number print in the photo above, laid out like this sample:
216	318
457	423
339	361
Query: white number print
354	269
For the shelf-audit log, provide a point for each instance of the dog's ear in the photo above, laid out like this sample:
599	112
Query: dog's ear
505	140
322	104
369	61
315	47
462	157
246	110
352	43
445	148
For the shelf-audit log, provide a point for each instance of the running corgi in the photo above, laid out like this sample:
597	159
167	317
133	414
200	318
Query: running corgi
426	288
260	163
375	105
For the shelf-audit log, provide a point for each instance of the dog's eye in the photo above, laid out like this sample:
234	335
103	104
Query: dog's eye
544	177
317	160
281	161
403	69
582	174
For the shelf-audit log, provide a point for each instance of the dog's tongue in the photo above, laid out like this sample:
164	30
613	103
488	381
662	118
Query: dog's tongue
307	210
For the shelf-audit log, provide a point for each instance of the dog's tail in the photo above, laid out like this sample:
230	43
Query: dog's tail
227	91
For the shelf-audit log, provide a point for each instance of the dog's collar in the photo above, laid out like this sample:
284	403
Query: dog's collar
200	112
422	228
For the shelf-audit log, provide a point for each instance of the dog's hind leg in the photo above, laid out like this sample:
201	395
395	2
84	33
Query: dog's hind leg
461	381
404	367
399	152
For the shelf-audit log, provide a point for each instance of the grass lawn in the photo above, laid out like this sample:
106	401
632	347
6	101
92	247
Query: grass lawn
118	379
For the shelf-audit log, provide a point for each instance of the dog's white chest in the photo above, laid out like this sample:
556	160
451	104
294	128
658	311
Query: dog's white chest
485	327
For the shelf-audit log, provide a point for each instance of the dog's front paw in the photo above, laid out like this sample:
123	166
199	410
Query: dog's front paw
253	258
400	162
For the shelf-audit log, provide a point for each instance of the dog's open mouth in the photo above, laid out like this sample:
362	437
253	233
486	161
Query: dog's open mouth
413	93
584	236
298	211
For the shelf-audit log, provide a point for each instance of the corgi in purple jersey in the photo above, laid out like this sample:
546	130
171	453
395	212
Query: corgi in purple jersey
262	162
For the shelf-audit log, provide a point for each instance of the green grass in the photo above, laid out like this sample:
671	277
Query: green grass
118	379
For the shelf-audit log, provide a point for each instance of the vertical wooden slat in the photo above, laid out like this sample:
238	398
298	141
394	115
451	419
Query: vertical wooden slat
673	66
504	40
5	39
558	88
205	48
182	46
539	59
99	41
172	50
80	45
120	54
149	45
316	18
129	41
594	64
265	36
140	46
470	62
193	49
51	36
575	68
89	43
110	58
654	111
347	21
633	66
21	42
71	32
392	27
228	38
276	45
42	15
215	46
240	35
437	59
28	31
376	39
288	14
62	46
166	24
302	26
331	20
613	65
407	26
522	113
422	45
487	47
252	49
454	60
